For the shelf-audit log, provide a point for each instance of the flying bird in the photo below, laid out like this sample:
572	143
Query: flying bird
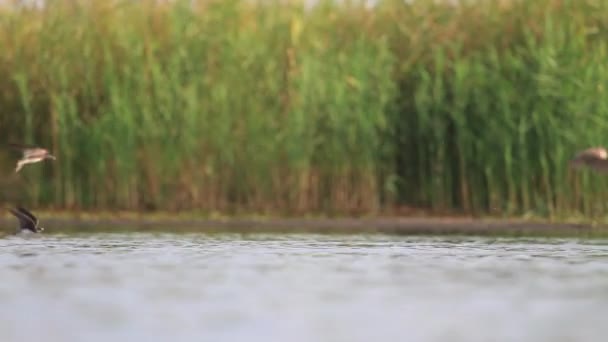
595	158
28	223
31	154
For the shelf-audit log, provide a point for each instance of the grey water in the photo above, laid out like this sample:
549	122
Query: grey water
197	287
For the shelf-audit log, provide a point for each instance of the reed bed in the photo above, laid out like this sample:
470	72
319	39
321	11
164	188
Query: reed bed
279	107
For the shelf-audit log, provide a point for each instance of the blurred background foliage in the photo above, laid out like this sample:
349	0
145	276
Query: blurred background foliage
279	107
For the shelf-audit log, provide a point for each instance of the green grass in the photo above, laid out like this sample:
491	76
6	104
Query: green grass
232	106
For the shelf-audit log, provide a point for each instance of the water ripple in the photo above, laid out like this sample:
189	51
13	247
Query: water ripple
232	287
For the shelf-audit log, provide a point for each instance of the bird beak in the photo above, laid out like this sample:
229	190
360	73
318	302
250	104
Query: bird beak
50	156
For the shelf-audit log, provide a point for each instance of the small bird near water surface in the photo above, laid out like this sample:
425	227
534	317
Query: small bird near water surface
28	223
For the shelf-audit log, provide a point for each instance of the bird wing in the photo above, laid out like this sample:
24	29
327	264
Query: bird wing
24	220
29	150
31	216
34	152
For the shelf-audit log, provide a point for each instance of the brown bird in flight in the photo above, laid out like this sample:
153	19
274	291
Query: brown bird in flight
595	158
31	154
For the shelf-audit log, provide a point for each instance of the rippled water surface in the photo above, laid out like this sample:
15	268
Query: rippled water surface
196	287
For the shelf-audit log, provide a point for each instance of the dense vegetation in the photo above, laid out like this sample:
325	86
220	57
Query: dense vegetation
232	106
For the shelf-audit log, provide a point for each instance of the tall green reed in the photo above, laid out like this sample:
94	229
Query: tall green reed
236	106
213	106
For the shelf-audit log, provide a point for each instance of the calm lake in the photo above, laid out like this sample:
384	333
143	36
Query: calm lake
197	287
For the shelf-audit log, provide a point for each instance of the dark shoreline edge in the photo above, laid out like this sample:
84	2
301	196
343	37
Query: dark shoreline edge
376	225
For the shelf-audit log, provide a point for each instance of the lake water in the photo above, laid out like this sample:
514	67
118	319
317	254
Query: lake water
196	287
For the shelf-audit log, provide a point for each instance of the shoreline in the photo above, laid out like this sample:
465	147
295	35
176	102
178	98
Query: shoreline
394	225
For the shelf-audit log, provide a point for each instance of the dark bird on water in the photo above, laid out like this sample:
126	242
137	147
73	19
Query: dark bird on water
31	154
28	223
